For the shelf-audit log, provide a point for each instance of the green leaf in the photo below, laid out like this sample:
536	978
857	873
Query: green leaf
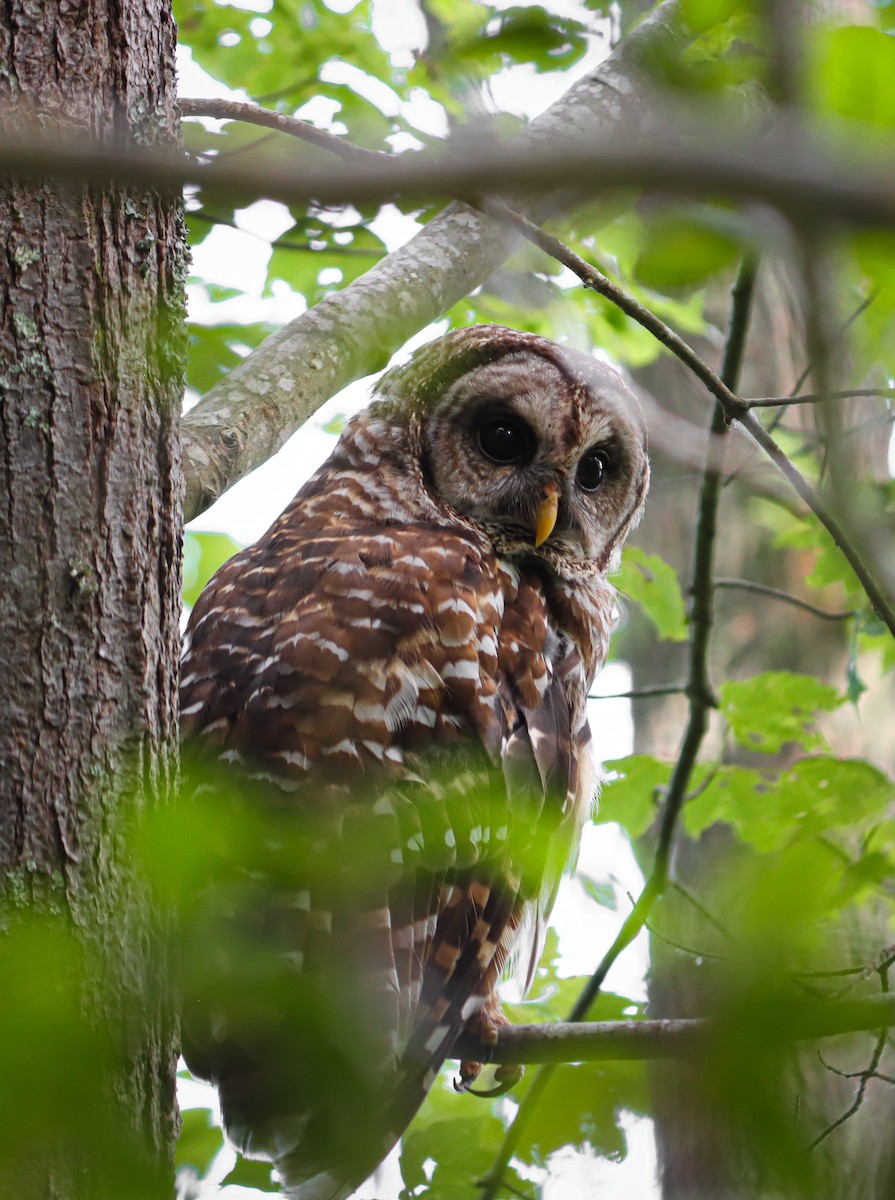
702	15
741	798
855	685
212	350
335	425
817	796
823	793
631	799
282	65
462	1147
684	253
249	1173
584	1104
851	73
600	891
312	246
524	35
200	1140
653	584
721	56
769	710
203	554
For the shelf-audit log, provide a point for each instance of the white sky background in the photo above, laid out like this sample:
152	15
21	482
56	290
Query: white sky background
237	258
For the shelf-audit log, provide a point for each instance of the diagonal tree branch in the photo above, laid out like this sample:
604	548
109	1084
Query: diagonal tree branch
236	110
882	605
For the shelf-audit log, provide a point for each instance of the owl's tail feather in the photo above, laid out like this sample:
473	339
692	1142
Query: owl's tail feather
333	1184
326	1186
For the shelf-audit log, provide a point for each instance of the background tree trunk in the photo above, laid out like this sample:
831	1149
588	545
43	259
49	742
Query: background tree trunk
705	1151
91	343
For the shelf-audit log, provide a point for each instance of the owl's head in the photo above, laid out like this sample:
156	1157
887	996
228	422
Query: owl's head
540	447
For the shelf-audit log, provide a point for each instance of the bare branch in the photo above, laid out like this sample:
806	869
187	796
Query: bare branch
598	282
779	167
864	1077
815	397
643	693
762	589
872	1069
882	605
234	110
601	1041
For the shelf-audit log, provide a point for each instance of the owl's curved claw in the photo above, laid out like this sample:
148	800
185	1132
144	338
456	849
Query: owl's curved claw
506	1077
469	1073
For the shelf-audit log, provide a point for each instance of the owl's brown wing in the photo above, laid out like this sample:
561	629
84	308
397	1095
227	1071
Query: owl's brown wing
394	703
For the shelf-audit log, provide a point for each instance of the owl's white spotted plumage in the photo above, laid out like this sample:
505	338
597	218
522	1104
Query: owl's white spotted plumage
395	675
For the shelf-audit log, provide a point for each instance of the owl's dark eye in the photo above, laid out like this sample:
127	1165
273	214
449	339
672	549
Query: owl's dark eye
506	440
592	469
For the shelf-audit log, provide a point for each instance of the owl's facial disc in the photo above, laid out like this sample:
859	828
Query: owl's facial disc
546	461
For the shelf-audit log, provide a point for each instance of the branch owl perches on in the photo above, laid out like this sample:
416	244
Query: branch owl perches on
394	678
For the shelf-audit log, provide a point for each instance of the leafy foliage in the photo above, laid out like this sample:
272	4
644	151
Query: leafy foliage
654	585
203	553
775	707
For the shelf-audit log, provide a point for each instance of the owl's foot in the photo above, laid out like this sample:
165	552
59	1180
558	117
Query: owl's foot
505	1078
486	1025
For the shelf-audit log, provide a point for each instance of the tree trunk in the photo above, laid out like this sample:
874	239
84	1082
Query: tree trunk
91	344
705	1149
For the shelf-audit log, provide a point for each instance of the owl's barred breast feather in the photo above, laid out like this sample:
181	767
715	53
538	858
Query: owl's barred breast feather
394	684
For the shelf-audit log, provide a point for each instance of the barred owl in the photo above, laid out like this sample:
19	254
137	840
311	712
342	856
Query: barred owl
395	676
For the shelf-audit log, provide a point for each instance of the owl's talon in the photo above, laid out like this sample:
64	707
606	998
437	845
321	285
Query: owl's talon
469	1073
509	1074
505	1077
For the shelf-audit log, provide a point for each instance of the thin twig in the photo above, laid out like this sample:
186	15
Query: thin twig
235	110
594	279
865	1076
691	951
703	911
882	605
815	397
644	693
828	1066
747	585
859	311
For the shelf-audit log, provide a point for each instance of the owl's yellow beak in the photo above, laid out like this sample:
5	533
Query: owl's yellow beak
546	515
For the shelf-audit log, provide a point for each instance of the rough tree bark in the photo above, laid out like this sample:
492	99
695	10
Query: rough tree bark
91	342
